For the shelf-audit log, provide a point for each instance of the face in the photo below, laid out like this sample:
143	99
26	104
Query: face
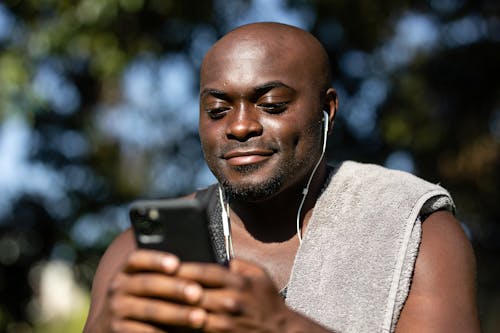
260	119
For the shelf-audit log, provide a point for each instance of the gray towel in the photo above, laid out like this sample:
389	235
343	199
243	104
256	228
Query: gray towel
353	271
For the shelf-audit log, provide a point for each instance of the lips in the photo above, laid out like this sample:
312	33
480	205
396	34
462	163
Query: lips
245	157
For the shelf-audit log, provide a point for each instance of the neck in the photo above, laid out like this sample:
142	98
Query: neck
274	219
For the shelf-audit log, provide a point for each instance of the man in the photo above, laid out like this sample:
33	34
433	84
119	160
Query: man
266	106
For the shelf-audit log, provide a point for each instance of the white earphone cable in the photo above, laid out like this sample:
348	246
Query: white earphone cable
306	189
226	225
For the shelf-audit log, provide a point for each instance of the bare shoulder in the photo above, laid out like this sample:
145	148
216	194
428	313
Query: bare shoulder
442	297
110	263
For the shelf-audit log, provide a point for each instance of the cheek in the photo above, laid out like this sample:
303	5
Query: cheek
310	139
296	134
208	149
209	135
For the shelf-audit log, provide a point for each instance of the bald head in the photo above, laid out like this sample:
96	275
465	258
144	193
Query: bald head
274	42
264	91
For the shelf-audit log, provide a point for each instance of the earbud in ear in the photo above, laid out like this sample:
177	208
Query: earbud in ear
326	119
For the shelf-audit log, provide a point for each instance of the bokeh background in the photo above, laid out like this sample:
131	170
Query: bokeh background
98	107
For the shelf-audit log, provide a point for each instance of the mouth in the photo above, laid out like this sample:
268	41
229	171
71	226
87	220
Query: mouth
246	157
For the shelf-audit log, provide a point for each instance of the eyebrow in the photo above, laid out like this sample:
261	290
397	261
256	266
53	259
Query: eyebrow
259	90
263	88
214	92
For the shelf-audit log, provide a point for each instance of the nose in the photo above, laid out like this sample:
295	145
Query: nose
244	124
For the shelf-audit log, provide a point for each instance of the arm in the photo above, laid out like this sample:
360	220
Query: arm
442	297
109	265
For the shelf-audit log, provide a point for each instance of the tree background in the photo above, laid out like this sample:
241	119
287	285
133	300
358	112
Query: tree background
98	107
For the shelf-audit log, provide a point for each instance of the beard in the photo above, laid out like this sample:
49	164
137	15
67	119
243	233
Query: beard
251	191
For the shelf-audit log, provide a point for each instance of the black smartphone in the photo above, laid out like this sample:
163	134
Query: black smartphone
178	226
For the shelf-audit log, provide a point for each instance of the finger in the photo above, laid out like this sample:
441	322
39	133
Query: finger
227	301
130	326
157	311
159	286
150	260
219	323
211	275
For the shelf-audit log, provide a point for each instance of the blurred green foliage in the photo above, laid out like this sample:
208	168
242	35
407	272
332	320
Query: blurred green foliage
419	79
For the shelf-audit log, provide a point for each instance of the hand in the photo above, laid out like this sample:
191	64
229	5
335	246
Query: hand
147	295
243	299
154	292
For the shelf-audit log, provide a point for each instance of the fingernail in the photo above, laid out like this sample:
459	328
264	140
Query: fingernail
170	264
197	318
193	293
115	284
231	305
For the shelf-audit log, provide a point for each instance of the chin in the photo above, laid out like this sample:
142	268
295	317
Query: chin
246	169
251	192
246	183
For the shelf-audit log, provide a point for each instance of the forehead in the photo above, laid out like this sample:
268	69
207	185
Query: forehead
250	62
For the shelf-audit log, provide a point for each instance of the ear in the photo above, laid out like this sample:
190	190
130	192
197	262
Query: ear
331	106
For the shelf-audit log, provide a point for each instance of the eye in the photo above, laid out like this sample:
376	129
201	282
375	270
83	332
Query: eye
217	113
273	107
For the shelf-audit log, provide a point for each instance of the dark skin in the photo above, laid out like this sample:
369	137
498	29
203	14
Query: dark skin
261	105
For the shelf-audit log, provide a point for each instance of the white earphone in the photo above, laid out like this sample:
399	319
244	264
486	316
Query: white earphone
326	125
326	118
